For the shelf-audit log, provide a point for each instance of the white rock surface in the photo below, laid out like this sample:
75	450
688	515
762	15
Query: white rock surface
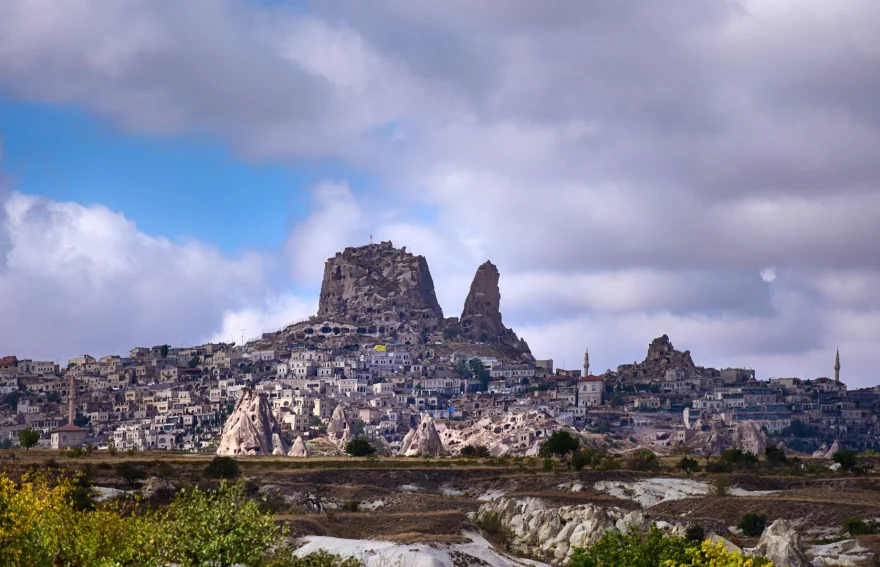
298	449
251	428
554	532
338	429
501	434
423	441
385	553
846	553
781	544
652	491
106	493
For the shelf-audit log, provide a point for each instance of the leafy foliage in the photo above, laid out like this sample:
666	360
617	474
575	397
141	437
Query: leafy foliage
477	451
775	456
490	523
222	467
752	524
846	458
688	465
857	526
130	473
359	447
40	524
710	554
695	532
28	437
559	444
737	458
450	333
719	486
643	460
588	457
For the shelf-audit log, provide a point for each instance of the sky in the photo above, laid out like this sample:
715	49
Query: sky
177	172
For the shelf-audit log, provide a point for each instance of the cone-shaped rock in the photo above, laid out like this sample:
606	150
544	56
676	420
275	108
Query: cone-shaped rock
251	428
481	317
298	449
339	430
422	441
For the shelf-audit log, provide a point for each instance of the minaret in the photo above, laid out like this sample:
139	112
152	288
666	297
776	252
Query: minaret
71	399
586	363
837	366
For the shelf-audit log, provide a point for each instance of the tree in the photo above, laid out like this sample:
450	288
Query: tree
475	451
163	351
752	525
643	460
559	444
28	437
359	447
130	473
111	447
222	467
450	333
775	455
462	369
479	371
194	361
695	532
688	465
846	458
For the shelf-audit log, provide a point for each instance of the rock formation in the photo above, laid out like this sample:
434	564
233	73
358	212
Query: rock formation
251	429
481	317
338	429
510	433
544	531
661	357
715	436
379	286
781	544
298	449
423	441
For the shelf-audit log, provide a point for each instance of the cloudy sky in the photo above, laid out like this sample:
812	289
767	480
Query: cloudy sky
710	169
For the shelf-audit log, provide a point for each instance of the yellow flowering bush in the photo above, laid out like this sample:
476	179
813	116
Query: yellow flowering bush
717	555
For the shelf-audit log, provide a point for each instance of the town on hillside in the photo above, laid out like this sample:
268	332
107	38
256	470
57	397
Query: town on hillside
380	360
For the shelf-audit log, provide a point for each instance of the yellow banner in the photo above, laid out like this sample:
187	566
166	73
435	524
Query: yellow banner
380	348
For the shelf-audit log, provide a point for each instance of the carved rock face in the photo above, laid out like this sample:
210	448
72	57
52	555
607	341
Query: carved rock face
338	429
422	441
251	429
379	285
298	449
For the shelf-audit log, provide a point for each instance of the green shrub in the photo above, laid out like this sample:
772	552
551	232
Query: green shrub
752	525
491	525
846	458
352	506
559	444
130	473
719	486
359	447
737	458
643	460
688	465
857	526
475	451
548	464
775	456
222	467
717	467
695	532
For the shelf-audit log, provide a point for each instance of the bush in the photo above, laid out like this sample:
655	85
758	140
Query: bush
28	437
359	447
222	467
633	549
130	473
490	523
738	458
286	558
559	444
752	525
73	452
857	526
111	447
643	460
846	458
548	464
352	506
695	532
716	467
475	451
775	456
688	465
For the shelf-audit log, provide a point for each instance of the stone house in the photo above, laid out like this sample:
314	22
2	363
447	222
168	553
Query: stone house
68	436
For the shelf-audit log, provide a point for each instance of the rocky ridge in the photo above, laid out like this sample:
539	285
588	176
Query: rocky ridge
251	428
422	441
661	356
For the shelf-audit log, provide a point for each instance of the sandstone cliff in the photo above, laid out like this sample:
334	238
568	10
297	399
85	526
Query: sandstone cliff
379	286
481	317
251	429
423	441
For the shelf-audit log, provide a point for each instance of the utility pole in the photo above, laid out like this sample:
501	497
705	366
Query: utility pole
242	336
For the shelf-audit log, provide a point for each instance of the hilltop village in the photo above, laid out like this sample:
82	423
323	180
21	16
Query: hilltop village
381	360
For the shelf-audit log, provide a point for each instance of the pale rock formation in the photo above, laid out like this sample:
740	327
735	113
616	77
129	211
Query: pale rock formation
652	491
510	433
338	429
422	441
714	436
846	553
748	436
155	485
781	544
553	532
251	429
298	449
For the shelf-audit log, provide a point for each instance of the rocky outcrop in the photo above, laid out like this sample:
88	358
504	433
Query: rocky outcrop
379	289
827	452
659	361
423	441
846	553
298	449
481	317
781	544
715	436
510	433
251	429
338	429
543	531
